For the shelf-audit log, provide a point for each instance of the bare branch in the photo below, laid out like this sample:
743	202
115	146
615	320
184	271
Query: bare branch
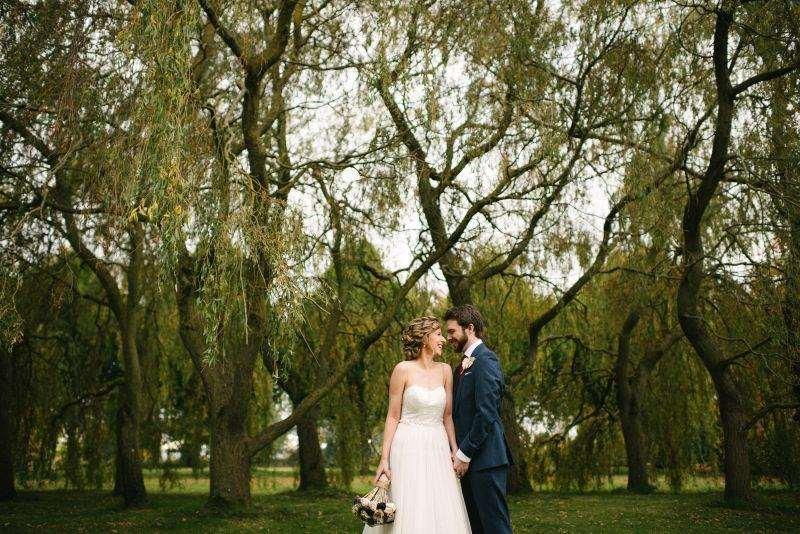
228	36
763	77
748	351
766	410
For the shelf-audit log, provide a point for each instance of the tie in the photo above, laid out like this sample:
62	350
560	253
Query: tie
461	367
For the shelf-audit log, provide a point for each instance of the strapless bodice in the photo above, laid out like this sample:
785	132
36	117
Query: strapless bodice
423	406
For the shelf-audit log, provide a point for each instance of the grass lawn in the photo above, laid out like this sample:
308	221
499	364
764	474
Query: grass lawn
276	510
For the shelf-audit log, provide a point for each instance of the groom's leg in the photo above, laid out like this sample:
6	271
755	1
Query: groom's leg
489	493
472	507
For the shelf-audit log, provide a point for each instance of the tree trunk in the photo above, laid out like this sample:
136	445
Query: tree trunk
229	461
7	489
312	463
518	481
791	306
690	314
231	452
190	454
127	311
118	456
228	386
73	474
130	479
737	460
629	403
638	480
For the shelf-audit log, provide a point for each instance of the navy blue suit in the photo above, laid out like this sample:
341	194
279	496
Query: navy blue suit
480	436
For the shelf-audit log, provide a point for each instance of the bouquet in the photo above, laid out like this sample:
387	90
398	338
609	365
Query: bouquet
372	508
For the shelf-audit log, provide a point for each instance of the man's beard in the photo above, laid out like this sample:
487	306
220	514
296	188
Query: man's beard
461	344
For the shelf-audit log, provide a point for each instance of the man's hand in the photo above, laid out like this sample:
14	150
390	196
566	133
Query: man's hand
460	467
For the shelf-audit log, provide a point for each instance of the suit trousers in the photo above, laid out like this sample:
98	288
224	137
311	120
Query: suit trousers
485	496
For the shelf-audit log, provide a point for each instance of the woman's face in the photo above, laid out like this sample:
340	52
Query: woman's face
435	342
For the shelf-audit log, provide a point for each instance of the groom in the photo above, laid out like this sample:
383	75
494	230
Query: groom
483	457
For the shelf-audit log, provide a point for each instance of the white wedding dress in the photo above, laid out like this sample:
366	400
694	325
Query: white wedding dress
424	486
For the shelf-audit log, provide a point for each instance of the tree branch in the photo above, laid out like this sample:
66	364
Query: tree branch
749	350
405	132
489	144
768	410
763	77
49	153
227	36
264	61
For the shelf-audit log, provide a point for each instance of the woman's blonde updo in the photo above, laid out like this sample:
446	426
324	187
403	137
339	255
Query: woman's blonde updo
414	335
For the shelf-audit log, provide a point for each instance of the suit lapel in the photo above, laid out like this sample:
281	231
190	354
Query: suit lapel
456	382
458	374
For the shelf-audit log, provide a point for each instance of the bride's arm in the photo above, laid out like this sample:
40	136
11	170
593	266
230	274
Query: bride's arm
448	410
396	386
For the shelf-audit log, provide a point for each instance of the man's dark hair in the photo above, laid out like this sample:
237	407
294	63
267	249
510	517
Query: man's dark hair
466	315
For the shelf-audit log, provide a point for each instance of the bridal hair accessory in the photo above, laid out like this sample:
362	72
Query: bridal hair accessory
372	508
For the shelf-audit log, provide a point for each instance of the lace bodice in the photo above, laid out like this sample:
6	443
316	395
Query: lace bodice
423	406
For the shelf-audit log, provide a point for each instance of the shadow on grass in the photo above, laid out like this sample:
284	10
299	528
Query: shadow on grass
775	502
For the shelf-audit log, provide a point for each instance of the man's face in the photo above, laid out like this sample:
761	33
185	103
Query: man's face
456	336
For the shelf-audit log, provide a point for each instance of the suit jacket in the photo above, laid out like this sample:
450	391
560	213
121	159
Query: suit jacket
476	412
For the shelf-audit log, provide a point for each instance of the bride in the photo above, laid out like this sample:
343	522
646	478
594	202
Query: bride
419	439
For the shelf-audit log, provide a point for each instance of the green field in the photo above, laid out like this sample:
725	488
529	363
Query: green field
276	509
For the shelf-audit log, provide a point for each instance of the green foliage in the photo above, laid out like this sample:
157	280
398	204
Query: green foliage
66	346
352	416
10	321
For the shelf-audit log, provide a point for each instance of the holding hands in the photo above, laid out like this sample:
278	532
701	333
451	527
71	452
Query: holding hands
459	466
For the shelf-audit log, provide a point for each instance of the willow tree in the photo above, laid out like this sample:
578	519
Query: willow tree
515	110
637	307
61	110
64	422
355	284
219	229
693	288
631	380
228	286
766	178
228	229
7	478
782	183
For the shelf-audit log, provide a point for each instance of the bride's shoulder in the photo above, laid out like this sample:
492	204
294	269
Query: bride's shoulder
400	373
401	367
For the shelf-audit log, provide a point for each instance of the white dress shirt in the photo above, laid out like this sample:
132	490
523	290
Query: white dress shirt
468	352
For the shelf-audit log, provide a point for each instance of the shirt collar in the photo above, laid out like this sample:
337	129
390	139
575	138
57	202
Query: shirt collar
469	350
